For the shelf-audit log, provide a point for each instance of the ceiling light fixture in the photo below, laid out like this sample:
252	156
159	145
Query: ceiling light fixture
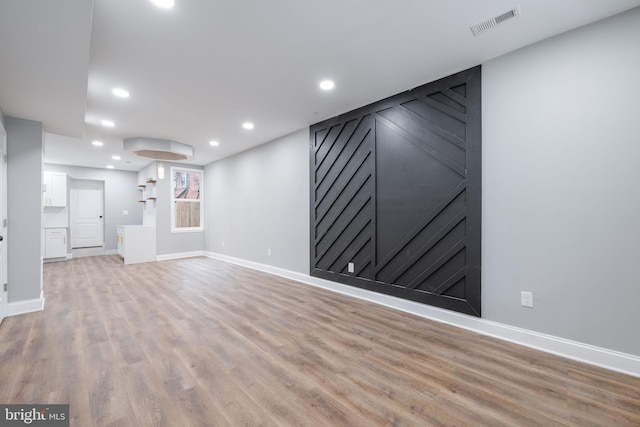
165	4
110	166
160	170
115	157
108	123
158	149
97	143
247	125
214	143
327	85
120	93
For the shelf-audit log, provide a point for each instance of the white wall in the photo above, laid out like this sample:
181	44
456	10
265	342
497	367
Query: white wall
259	200
120	194
561	207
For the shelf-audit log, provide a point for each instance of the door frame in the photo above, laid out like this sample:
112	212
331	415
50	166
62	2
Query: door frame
4	265
72	225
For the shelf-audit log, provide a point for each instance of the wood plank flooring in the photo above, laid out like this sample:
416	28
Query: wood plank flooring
199	342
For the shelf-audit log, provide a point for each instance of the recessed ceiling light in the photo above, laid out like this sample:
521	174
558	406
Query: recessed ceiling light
165	4
97	143
214	143
110	166
108	123
247	125
326	85
121	93
115	157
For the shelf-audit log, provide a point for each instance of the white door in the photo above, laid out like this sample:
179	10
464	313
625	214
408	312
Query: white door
87	210
3	223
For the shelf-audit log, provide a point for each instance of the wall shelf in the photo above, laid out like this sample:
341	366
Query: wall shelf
148	197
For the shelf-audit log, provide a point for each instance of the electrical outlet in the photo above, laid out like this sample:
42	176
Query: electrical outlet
268	252
351	267
125	212
526	299
223	243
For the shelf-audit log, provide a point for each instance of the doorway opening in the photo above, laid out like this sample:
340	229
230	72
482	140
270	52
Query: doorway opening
86	217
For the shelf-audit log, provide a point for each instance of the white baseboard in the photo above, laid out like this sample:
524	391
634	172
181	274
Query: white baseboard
48	260
23	307
609	359
168	257
111	252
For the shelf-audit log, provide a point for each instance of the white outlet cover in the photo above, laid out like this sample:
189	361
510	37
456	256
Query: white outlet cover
351	267
526	299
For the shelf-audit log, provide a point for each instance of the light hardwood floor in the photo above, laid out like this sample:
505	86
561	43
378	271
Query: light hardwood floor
199	342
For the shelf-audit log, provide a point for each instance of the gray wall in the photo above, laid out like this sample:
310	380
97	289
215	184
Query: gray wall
259	200
167	242
560	203
120	194
560	172
24	200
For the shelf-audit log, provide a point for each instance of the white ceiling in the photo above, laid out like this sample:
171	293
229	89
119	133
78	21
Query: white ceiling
198	71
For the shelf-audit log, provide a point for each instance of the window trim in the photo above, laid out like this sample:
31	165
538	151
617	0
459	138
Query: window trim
175	229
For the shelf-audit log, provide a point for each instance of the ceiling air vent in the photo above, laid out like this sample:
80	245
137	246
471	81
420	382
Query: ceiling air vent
488	24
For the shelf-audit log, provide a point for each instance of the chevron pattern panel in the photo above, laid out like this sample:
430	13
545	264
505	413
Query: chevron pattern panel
395	195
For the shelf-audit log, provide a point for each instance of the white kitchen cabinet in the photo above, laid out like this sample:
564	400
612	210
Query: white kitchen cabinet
55	243
55	193
137	243
120	241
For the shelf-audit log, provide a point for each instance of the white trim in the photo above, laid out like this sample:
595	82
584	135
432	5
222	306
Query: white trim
111	252
200	200
609	359
4	266
168	257
26	306
50	260
189	229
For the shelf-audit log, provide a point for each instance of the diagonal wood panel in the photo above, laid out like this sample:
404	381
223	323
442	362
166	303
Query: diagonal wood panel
450	198
343	187
395	200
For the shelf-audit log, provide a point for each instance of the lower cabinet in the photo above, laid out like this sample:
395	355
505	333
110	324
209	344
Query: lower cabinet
137	243
120	241
55	243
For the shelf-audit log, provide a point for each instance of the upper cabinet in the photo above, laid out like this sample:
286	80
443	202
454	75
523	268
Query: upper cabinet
55	193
